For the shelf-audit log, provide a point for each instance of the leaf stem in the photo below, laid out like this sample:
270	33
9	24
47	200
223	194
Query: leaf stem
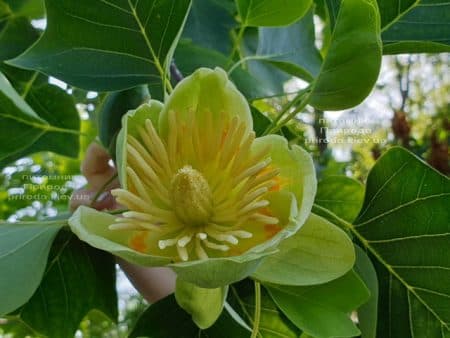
29	84
237	43
257	315
102	189
303	99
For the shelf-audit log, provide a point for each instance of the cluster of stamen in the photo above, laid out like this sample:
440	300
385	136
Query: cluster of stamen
195	190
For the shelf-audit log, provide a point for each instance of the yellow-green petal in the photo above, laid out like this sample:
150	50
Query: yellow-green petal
204	305
205	92
297	174
91	226
130	123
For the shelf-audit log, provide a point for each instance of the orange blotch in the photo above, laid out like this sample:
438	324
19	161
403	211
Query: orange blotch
138	241
277	185
271	230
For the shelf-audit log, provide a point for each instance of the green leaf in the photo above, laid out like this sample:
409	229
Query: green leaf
122	43
58	108
265	74
260	122
415	26
323	311
353	60
273	323
17	35
54	123
209	24
368	312
78	279
166	319
271	12
24	248
318	253
114	106
292	48
204	305
342	195
20	126
404	225
189	57
33	9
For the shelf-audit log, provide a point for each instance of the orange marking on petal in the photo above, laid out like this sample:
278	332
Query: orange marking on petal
137	242
265	211
271	230
277	185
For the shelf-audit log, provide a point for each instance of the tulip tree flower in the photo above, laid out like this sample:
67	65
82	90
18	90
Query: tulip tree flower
203	195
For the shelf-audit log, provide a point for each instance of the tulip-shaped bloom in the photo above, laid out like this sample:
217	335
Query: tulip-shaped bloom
202	194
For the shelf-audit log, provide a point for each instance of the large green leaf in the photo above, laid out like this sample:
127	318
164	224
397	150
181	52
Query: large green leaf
24	250
189	57
318	253
271	12
410	26
368	312
414	26
405	227
78	279
353	59
114	106
60	123
16	36
265	73
48	120
31	8
121	43
20	126
340	194
273	323
166	319
323	311
292	48
209	24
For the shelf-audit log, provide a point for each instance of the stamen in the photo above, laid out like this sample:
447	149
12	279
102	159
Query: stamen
264	218
165	243
129	199
154	180
158	146
138	185
183	241
142	224
141	216
182	252
220	247
252	170
124	226
201	253
133	202
222	237
173	139
146	154
202	236
253	206
251	196
241	234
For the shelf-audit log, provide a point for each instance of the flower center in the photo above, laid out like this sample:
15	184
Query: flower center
191	197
